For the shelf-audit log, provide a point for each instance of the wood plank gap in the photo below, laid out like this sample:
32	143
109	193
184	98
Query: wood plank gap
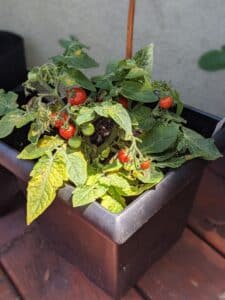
141	293
215	172
198	234
6	247
19	296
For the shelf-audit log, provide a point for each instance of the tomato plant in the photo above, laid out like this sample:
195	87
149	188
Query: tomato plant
102	148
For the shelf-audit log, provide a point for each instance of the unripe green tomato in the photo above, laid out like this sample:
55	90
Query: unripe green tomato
105	153
88	129
32	76
75	142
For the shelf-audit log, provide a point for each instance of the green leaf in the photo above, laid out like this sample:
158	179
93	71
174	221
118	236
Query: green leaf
150	176
113	167
7	102
73	43
87	194
44	145
141	92
111	204
169	116
116	112
111	67
25	119
164	156
213	60
36	129
104	84
80	60
72	77
47	177
142	118
174	162
9	121
114	180
85	114
6	127
179	103
136	72
115	195
200	146
76	168
144	58
126	64
134	190
160	138
120	116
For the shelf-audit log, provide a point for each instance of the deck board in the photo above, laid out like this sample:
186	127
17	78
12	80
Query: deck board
7	291
38	273
191	270
208	214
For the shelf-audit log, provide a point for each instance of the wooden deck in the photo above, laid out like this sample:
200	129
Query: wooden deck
194	269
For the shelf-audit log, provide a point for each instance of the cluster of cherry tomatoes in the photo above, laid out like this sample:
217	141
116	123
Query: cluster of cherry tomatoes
67	130
124	158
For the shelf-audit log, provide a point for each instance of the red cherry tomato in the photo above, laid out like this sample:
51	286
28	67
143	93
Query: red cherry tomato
59	119
77	96
166	102
124	102
122	156
145	165
67	132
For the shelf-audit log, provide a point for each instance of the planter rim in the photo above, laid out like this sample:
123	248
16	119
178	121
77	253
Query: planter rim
118	227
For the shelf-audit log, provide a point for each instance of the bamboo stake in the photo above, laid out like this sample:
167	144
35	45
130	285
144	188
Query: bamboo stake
130	29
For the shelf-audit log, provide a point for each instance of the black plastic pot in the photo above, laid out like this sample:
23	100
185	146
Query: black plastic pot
12	60
115	250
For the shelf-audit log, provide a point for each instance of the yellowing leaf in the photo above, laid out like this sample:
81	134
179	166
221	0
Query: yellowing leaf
77	168
111	204
87	194
114	180
47	177
47	143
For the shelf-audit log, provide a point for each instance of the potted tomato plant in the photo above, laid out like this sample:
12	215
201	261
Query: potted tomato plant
120	150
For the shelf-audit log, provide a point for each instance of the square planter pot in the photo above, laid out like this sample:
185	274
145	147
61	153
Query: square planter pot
115	250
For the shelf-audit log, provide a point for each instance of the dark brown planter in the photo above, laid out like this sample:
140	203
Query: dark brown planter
115	250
